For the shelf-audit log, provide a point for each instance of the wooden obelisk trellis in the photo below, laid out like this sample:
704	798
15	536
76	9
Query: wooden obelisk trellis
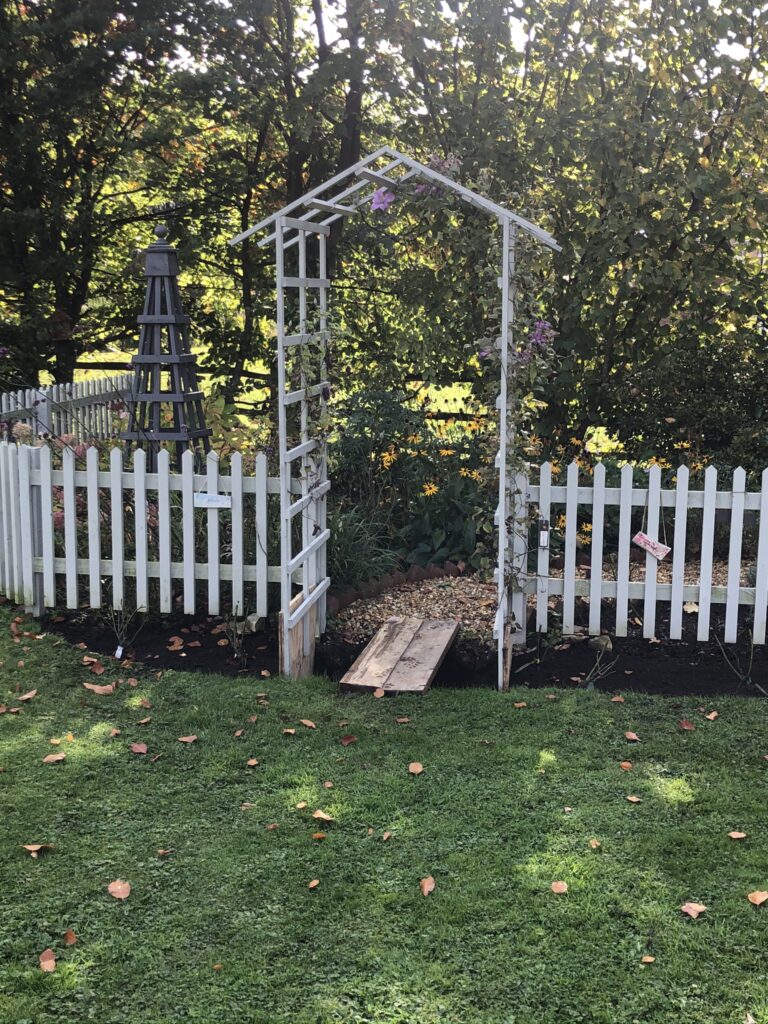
165	406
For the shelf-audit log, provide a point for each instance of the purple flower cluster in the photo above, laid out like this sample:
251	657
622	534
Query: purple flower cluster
543	335
382	199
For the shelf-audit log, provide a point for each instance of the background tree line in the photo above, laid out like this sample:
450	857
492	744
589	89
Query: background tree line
635	131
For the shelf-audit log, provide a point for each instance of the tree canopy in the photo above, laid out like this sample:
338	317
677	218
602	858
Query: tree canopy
636	132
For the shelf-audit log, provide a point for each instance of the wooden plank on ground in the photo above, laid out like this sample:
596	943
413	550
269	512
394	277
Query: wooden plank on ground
404	656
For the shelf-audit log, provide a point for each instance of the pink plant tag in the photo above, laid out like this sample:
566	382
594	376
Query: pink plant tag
653	547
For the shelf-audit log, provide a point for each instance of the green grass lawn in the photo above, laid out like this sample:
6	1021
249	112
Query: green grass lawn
225	928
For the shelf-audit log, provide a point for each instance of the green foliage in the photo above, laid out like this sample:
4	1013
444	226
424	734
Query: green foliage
485	819
359	548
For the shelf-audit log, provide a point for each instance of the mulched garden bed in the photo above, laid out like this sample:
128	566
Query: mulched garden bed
679	667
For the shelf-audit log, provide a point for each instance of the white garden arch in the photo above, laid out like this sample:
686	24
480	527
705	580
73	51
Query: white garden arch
299	224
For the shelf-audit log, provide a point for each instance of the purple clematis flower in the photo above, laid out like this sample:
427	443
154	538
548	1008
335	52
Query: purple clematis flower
382	199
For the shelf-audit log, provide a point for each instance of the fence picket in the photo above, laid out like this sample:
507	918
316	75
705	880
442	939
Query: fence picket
622	567
118	528
569	569
141	524
542	561
25	528
47	524
6	572
651	563
761	567
70	525
212	483
13	465
739	487
94	527
188	529
596	568
164	528
236	474
678	554
261	555
707	549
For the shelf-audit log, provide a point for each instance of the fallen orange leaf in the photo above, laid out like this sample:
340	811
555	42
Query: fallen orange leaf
319	835
301	805
164	853
626	766
386	836
321	816
634	799
403	720
27	696
758	897
346	740
693	909
559	887
54	758
711	716
415	767
47	961
327	784
70	939
272	826
595	844
617	700
251	762
632	737
144	703
239	733
648	960
737	835
138	748
114	732
308	723
144	721
216	967
378	693
119	889
685	725
427	885
314	883
187	739
289	732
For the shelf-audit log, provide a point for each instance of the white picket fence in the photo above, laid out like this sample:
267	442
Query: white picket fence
71	536
586	500
81	410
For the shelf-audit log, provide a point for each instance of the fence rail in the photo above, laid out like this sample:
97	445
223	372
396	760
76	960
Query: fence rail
644	508
80	532
81	410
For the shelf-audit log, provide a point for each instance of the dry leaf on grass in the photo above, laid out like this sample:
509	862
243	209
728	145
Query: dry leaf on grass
648	960
379	693
70	939
272	826
308	723
415	767
632	737
102	691
238	733
711	716
314	883
617	700
686	726
138	748
520	704
30	695
626	766
386	836
321	815
289	732
758	897
595	844
251	762
47	961
402	720
347	740
144	721
119	889
35	849
634	799
693	909
737	835
559	887
114	732
187	739
54	758
327	784
427	885
319	835
164	853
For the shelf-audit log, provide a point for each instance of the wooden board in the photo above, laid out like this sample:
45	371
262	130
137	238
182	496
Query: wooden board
404	656
301	665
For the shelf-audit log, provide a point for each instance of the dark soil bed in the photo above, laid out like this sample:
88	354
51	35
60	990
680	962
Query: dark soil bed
669	667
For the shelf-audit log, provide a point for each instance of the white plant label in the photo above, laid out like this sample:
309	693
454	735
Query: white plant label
205	500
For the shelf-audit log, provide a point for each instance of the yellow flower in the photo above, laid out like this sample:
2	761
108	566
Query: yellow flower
465	472
429	489
388	458
476	474
447	451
